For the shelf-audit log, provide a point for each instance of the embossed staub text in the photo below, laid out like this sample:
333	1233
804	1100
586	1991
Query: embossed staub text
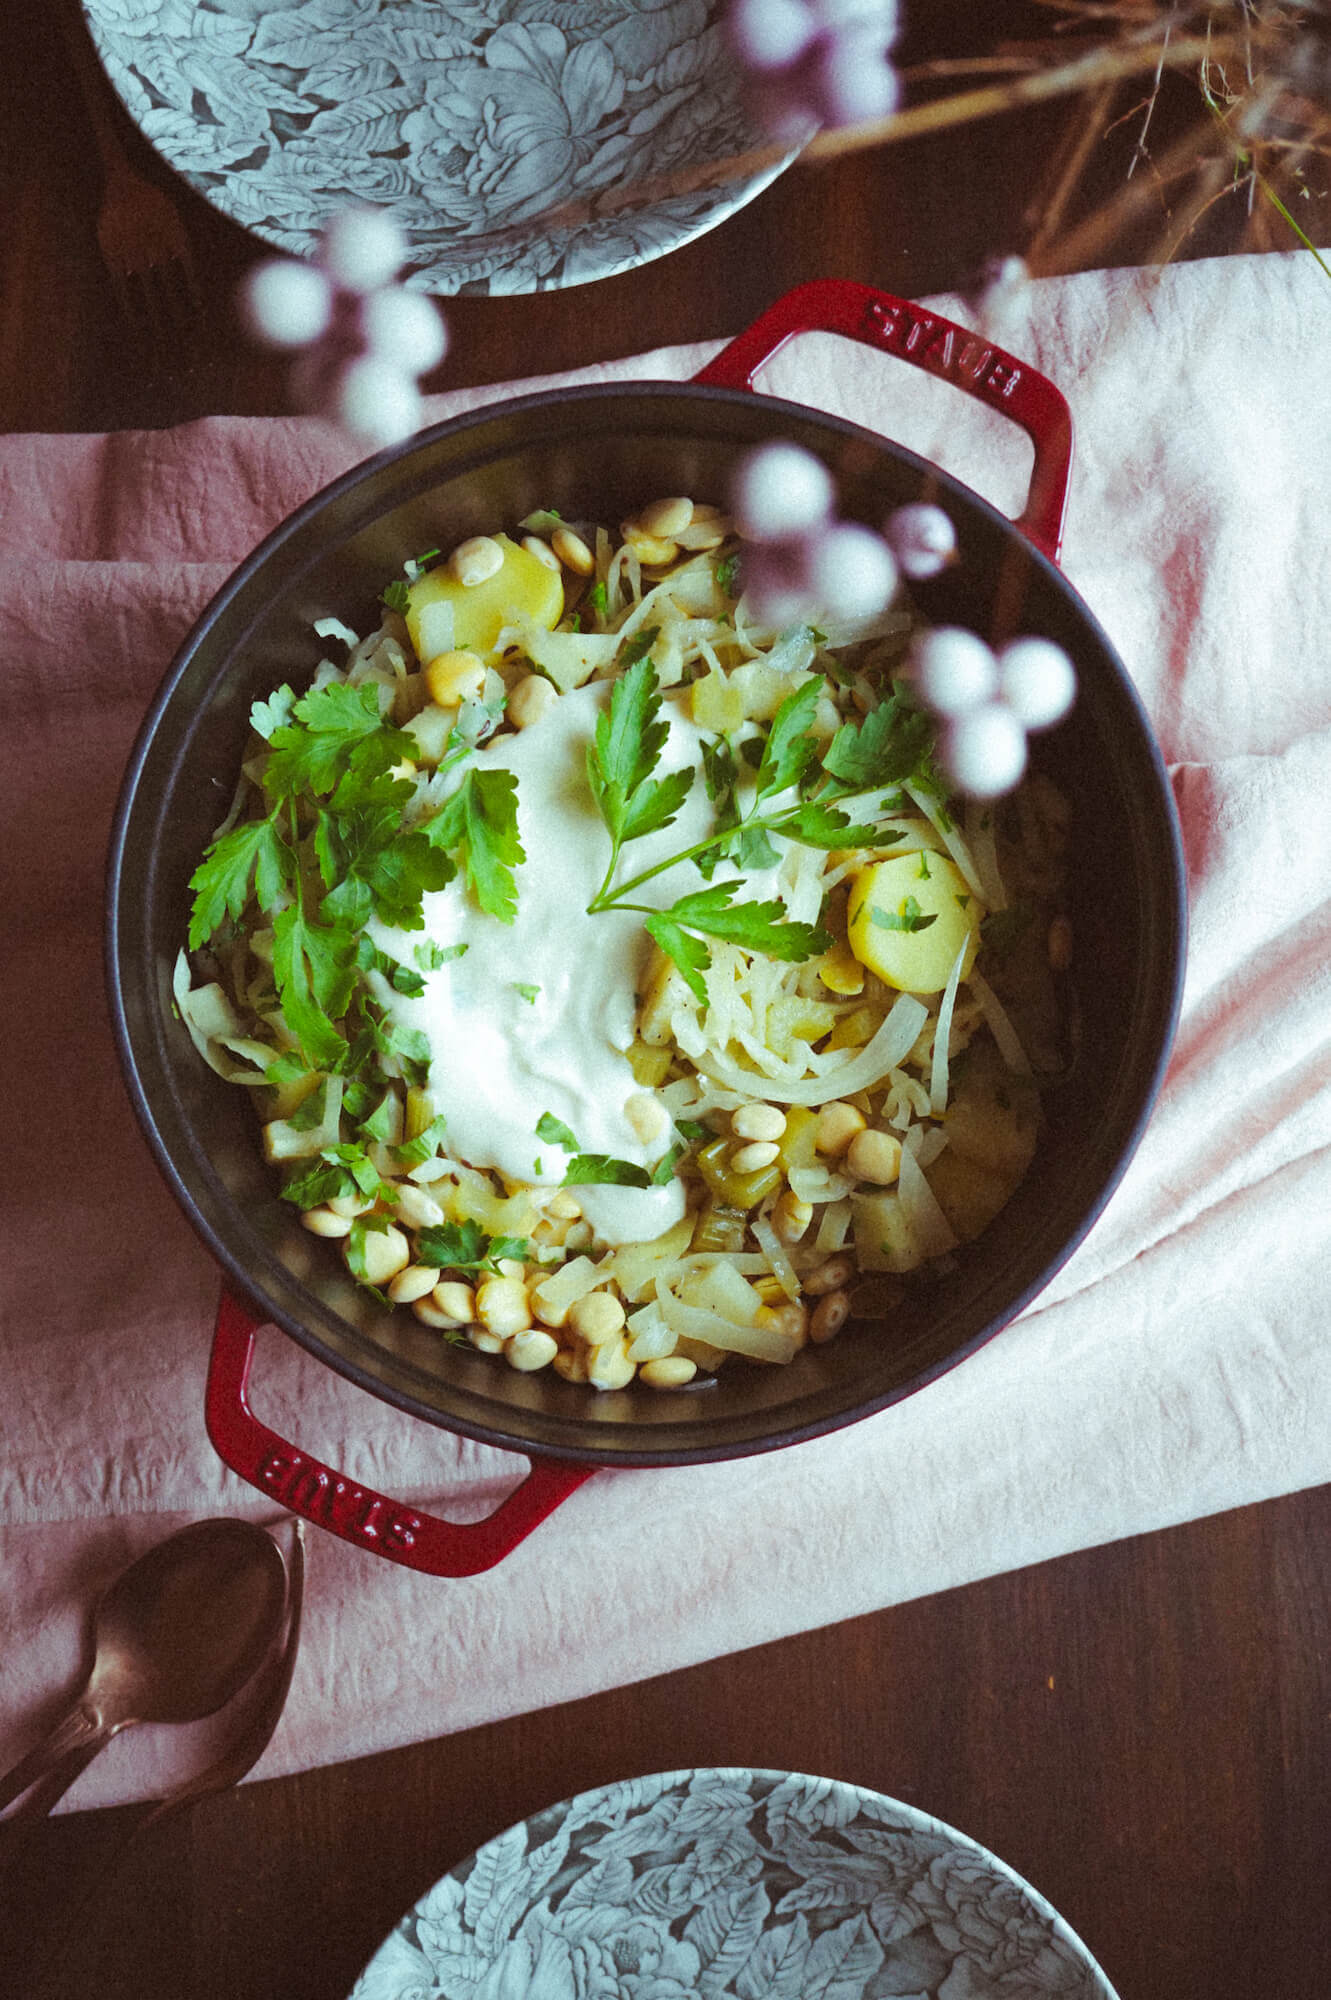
321	1496
937	345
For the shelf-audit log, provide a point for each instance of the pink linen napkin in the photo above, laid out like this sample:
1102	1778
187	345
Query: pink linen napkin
1180	1363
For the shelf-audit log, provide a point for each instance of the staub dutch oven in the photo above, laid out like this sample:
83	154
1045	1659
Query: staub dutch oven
598	452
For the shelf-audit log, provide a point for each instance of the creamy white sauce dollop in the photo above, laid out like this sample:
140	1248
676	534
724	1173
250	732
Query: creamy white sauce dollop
536	1016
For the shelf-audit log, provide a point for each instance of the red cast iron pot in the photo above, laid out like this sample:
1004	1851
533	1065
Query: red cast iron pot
599	452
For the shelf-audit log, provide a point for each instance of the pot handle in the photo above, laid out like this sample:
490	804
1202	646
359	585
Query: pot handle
924	338
356	1513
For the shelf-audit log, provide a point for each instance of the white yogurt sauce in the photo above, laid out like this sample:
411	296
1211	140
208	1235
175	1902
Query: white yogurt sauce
536	1015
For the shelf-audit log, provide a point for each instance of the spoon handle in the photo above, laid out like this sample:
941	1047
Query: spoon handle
73	1742
41	1796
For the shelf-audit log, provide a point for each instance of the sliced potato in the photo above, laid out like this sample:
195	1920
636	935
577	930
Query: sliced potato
717	703
721	1289
969	1193
665	988
993	1116
799	1141
853	1030
445	616
432	726
842	973
650	1066
516	1214
992	1123
907	919
636	1266
884	1239
792	1020
762	687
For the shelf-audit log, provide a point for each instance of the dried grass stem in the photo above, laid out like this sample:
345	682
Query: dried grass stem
1101	66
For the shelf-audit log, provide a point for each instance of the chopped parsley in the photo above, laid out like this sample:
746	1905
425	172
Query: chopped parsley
633	801
464	1246
414	1152
907	917
335	821
638	647
480	820
429	956
602	1169
556	1133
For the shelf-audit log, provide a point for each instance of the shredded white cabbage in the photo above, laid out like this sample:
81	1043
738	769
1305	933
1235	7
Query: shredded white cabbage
843	1079
928	1225
946	829
943	1035
834	1228
568	658
981	837
999	1024
796	1036
774	1253
333	628
818	1184
759	1343
215	1028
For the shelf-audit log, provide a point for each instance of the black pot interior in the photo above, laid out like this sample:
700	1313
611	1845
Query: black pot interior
599	453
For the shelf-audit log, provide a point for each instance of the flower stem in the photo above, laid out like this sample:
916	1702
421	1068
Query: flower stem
762	822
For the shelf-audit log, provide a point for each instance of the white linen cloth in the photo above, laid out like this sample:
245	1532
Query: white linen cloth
1181	1362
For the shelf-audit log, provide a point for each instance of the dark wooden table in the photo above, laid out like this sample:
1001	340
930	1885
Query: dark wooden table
1143	1730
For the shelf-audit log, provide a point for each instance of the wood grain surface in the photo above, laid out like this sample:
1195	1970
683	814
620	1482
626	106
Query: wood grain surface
1142	1730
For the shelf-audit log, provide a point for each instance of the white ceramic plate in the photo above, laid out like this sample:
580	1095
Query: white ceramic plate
467	121
759	1884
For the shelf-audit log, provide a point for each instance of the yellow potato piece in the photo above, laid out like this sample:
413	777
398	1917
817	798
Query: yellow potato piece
717	703
445	616
992	1124
884	1240
905	951
969	1193
993	1117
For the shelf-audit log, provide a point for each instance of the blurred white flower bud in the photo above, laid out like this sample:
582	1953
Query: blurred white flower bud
854	81
953	669
776	590
285	303
362	248
984	751
780	490
1037	681
405	328
850	571
375	400
769	34
922	539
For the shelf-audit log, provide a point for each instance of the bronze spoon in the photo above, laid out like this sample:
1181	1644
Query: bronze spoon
176	1635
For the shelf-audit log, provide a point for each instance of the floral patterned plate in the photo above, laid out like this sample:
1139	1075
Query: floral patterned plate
468	121
759	1884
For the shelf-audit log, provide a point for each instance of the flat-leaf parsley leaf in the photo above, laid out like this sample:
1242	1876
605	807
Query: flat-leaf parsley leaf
908	917
480	820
